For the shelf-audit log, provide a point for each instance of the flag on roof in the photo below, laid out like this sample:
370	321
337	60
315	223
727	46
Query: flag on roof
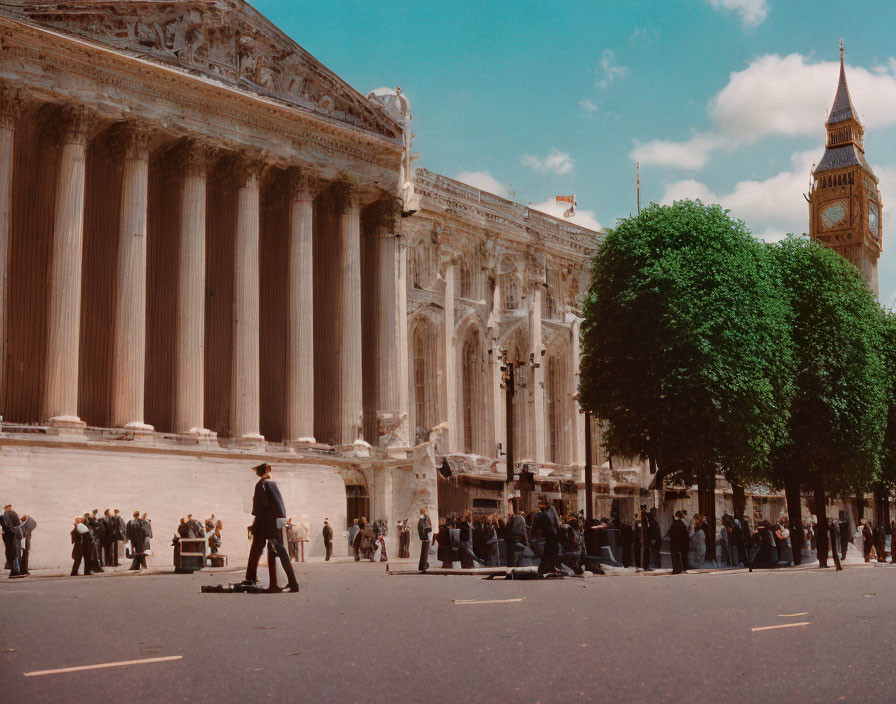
568	213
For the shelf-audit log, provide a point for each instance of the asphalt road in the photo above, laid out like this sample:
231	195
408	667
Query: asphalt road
355	634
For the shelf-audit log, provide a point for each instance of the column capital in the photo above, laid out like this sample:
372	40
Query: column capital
346	193
71	124
303	184
10	104
246	165
386	212
192	157
131	139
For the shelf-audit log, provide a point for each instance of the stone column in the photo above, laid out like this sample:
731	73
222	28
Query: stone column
10	102
349	314
300	338
384	262
403	432
129	327
245	389
578	424
189	345
536	345
450	359
60	400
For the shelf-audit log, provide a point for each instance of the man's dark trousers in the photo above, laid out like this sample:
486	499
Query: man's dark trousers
258	543
424	556
679	561
328	544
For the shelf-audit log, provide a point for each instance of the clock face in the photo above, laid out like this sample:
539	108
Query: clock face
832	216
873	217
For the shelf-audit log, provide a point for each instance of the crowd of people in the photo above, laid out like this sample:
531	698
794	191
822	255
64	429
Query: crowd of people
209	531
100	541
556	543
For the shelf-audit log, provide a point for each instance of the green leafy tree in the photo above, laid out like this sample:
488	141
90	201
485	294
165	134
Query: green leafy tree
686	352
886	479
839	405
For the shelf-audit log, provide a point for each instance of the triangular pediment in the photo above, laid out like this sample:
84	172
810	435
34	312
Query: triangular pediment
225	40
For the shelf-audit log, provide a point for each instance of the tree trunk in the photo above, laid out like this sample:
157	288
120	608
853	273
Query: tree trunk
881	508
706	486
795	517
738	499
821	532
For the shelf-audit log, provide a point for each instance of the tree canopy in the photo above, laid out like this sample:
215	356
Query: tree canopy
841	388
686	346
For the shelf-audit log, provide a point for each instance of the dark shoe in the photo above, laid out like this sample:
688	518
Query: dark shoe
293	588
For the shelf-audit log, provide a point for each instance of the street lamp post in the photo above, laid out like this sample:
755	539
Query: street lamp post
507	368
589	486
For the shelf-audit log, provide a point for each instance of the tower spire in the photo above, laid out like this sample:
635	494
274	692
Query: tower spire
842	108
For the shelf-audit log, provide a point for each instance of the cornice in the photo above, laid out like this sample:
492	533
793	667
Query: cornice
22	43
443	195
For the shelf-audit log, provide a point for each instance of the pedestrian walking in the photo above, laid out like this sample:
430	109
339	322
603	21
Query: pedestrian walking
404	539
108	539
136	534
424	530
24	531
10	522
678	544
81	546
328	539
352	534
546	525
267	507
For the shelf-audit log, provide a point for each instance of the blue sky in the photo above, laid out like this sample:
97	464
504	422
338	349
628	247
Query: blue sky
719	99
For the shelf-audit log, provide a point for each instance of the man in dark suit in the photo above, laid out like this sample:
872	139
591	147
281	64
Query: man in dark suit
424	530
118	531
328	538
546	525
679	541
267	507
81	545
110	555
867	540
136	533
10	521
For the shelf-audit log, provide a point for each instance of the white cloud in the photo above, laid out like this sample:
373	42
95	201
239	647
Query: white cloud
752	12
583	218
588	104
777	95
692	154
556	162
609	69
771	208
484	181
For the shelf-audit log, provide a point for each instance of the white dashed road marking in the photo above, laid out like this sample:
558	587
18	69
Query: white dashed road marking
781	625
122	663
487	601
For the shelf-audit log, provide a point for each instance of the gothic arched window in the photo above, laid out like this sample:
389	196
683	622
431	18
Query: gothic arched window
467	282
511	291
554	399
426	413
473	393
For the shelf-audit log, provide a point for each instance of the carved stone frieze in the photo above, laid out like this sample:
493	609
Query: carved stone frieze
225	40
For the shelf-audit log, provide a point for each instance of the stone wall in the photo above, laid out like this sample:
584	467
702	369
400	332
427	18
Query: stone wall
54	483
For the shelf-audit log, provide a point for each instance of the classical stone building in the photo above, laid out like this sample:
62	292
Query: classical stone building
215	253
490	281
844	202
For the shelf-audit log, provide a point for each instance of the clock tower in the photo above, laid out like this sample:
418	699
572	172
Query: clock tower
844	200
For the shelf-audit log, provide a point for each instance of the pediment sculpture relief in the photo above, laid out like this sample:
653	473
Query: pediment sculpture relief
225	40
